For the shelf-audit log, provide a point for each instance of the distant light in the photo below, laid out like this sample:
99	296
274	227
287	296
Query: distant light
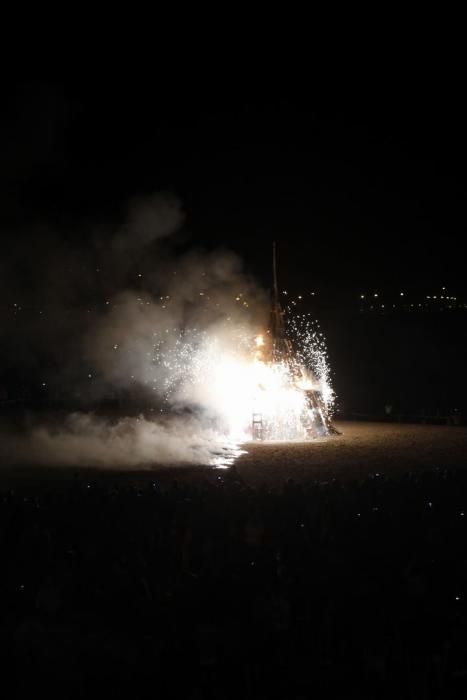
375	295
362	296
402	294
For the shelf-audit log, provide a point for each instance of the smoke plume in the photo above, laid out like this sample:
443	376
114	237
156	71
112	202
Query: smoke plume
94	317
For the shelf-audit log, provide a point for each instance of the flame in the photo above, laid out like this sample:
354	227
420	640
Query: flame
228	373
236	383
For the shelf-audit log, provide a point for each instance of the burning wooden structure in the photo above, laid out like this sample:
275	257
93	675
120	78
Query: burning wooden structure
315	419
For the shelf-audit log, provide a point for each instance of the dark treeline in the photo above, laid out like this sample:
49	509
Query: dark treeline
413	362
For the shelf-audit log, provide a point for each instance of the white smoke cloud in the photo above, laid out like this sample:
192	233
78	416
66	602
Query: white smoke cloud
86	440
113	324
148	219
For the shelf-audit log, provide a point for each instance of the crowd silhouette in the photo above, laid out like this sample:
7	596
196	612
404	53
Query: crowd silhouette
215	589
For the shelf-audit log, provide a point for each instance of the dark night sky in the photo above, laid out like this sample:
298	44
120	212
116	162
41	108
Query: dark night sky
360	191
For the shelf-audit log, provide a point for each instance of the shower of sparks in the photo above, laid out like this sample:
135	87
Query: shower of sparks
312	354
226	372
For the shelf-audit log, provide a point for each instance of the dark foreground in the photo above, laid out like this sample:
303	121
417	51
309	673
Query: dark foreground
218	589
349	581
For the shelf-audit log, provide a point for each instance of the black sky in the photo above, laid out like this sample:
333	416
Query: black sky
360	191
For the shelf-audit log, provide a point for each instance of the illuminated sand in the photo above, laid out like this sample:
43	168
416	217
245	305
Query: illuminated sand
363	448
